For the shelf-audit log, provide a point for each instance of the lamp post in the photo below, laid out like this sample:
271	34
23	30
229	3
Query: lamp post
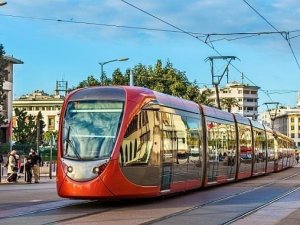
103	63
2	3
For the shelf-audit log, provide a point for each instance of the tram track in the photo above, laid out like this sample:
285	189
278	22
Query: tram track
74	210
230	197
262	206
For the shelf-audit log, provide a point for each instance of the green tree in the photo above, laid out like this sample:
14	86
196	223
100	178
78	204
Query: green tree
204	98
228	103
162	78
48	136
119	79
40	125
90	81
25	131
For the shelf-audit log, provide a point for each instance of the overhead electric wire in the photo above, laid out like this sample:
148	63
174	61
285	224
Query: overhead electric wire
201	35
281	91
211	46
97	24
285	37
178	30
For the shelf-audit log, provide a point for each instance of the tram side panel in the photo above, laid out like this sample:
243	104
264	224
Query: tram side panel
181	150
220	146
260	148
163	150
245	147
271	151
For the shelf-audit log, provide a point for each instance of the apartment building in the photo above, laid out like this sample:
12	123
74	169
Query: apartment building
246	95
289	124
6	108
48	105
286	120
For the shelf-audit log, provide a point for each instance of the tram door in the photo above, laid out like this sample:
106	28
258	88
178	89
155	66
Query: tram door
168	144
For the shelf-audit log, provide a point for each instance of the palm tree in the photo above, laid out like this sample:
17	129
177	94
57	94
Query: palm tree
229	103
204	98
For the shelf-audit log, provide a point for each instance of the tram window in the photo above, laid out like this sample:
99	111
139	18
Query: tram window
180	135
271	151
221	141
166	118
260	145
90	129
194	140
245	139
139	140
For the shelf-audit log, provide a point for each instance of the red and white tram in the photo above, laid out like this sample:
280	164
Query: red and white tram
130	142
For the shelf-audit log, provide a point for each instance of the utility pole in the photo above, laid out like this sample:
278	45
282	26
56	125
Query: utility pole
37	135
216	79
272	116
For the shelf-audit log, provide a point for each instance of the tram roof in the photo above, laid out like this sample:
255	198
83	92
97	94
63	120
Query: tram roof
256	124
217	113
175	102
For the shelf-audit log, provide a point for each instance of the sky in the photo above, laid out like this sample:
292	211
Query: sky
65	40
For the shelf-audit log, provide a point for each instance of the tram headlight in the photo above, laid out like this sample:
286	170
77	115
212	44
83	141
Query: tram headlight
100	169
96	170
70	169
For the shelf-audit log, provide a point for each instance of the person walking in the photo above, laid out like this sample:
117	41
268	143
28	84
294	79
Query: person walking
28	168
35	162
12	167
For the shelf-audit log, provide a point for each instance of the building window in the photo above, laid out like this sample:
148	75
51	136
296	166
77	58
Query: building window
292	120
292	127
240	91
254	92
246	92
51	122
292	135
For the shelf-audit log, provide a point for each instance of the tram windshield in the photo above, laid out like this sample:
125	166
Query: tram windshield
90	129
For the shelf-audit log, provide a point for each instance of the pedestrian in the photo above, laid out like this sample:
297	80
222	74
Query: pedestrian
18	165
35	162
297	158
28	168
12	167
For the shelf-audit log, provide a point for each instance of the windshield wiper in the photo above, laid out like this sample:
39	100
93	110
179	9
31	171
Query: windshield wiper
71	143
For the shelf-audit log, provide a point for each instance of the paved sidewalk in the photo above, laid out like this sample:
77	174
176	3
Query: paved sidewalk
21	180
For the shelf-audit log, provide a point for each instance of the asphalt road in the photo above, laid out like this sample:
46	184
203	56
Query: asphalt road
264	200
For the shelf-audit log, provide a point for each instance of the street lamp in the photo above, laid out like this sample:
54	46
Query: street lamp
2	3
103	63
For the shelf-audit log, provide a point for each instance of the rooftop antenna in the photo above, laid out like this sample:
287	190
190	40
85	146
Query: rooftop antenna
61	86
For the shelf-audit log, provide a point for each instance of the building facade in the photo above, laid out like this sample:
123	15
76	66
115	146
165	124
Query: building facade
246	96
286	121
6	108
48	105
